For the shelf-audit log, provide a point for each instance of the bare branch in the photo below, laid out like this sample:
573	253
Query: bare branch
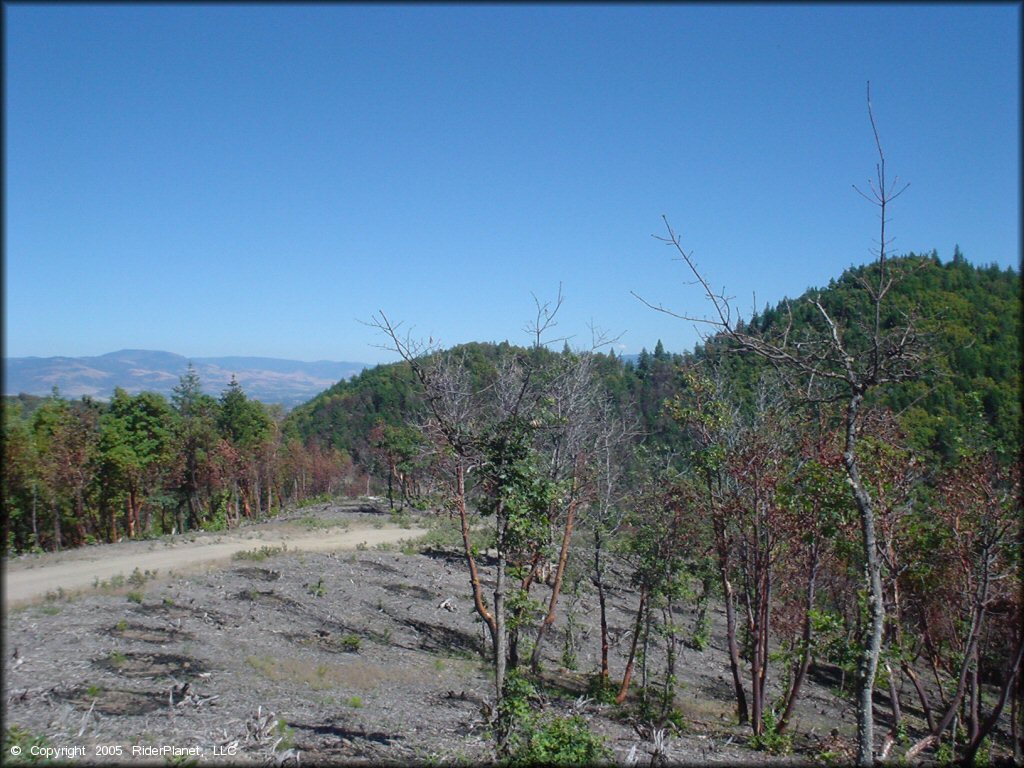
544	320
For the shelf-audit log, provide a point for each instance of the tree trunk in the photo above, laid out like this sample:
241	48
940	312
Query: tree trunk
35	518
800	670
193	511
1012	675
130	516
500	638
599	581
868	667
921	695
644	658
973	717
894	702
57	543
556	589
954	704
500	649
759	632
1015	698
628	674
734	650
113	524
474	576
669	695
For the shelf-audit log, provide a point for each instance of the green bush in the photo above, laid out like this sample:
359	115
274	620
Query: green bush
258	555
602	689
16	736
543	739
556	740
770	740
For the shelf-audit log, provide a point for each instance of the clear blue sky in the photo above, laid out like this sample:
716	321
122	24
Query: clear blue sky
257	180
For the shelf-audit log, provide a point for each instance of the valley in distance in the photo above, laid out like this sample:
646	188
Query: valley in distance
269	380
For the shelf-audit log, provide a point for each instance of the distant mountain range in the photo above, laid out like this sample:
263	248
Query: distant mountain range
268	379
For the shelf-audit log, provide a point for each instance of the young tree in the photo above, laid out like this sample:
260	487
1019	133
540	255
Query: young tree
511	429
969	607
702	409
399	449
136	444
571	419
65	440
614	451
196	437
455	426
19	480
755	467
657	545
244	426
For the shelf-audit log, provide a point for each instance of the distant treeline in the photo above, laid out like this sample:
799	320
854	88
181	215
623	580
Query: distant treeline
81	471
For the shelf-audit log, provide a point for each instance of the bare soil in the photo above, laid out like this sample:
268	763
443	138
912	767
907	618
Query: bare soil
330	652
71	571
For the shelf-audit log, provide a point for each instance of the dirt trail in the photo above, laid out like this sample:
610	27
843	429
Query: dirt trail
32	578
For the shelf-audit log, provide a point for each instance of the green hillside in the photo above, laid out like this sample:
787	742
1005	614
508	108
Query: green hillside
969	318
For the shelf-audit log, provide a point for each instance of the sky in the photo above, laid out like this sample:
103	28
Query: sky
262	179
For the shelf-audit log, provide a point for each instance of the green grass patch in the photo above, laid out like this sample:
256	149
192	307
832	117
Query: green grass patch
320	677
260	554
318	589
18	745
312	523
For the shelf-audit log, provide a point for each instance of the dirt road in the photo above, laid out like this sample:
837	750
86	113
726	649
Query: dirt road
31	578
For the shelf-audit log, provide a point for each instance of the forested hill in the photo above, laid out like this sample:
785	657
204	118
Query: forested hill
969	316
969	322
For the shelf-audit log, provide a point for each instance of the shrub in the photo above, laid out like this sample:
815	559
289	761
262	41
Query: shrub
770	740
537	739
556	740
260	554
602	689
16	736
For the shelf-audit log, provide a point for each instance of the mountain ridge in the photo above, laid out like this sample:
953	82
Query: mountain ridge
268	379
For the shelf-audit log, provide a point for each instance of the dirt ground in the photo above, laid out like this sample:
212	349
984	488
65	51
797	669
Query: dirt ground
30	577
332	651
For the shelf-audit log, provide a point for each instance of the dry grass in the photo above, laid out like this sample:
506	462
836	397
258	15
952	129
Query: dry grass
360	675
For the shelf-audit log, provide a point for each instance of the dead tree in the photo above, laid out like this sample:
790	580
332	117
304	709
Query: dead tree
455	427
613	448
837	361
495	429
